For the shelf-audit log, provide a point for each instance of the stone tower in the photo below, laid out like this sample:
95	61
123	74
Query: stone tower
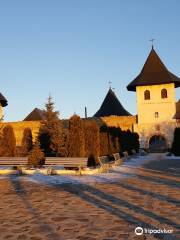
3	103
156	102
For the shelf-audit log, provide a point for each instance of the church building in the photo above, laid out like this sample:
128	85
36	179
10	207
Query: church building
156	103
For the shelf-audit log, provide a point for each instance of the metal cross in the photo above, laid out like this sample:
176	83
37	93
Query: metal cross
152	40
110	84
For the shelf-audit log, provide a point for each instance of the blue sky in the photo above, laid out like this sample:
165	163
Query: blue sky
72	48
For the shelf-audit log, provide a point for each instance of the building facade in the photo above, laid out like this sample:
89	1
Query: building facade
156	104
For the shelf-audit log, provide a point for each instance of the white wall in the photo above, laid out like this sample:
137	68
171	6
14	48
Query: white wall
165	107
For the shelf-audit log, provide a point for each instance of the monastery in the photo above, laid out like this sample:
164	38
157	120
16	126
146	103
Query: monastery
158	113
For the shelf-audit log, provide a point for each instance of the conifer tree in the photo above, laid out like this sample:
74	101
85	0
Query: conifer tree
36	155
8	142
26	144
104	143
50	134
76	137
176	142
65	143
1	146
136	144
91	135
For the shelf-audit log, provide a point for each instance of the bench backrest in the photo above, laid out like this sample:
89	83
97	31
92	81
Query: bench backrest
71	161
134	151
116	156
103	160
13	161
125	154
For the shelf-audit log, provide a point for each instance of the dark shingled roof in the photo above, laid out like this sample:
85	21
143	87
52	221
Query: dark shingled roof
3	101
153	72
36	115
111	106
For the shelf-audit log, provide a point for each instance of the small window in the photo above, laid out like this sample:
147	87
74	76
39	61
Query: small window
158	128
164	93
147	95
156	114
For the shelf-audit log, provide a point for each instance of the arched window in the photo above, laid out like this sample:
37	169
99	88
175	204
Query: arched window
164	93
147	95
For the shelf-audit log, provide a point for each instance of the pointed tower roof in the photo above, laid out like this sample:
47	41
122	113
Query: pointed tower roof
111	106
36	115
154	72
3	101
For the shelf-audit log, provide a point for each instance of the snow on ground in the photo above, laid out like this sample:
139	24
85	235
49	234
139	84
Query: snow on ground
5	167
114	174
172	157
139	160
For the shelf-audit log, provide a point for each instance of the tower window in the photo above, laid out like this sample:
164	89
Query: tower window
147	95
164	93
156	114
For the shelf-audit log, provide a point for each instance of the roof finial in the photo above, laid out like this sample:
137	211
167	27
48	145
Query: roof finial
110	84
152	40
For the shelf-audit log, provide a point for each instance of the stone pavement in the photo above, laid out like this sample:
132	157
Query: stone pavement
146	198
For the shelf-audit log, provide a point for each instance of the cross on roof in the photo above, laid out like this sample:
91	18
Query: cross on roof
152	41
109	84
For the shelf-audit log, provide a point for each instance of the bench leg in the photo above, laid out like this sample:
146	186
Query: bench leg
80	170
49	171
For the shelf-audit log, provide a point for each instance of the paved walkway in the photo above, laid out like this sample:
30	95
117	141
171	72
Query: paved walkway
148	197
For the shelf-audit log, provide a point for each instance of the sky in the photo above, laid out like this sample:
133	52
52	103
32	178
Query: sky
71	49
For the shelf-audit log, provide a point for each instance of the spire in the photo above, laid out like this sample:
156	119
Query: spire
109	84
154	72
111	106
152	40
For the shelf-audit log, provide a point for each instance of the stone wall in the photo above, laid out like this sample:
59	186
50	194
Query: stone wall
146	131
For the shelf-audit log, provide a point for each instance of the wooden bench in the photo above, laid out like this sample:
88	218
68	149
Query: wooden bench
103	160
104	163
50	161
116	156
117	159
134	152
13	161
126	155
68	162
